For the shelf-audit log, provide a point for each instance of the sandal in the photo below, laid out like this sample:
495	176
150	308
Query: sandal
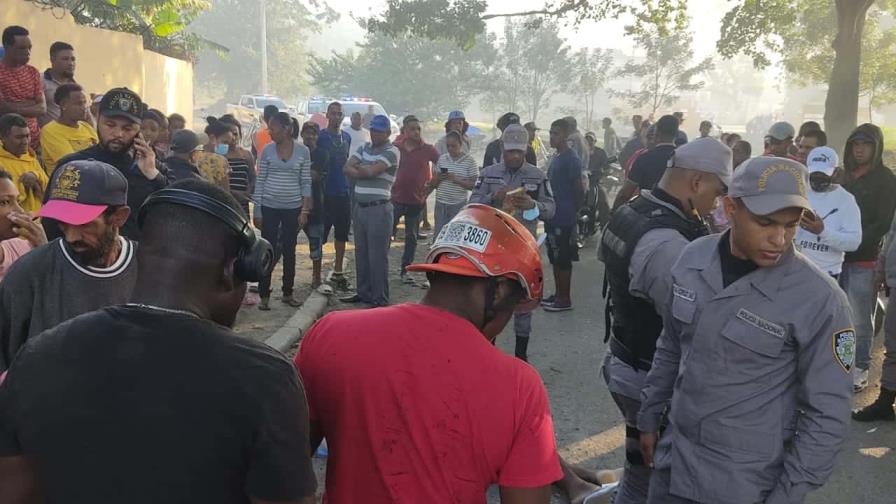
325	289
291	301
264	304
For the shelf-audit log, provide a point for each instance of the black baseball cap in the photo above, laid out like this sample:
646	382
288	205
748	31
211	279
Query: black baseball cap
82	190
184	141
122	102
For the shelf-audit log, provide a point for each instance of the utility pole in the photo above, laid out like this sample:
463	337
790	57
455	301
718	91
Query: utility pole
264	47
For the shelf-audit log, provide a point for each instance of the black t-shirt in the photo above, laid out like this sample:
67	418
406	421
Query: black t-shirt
136	405
648	169
733	268
494	151
320	160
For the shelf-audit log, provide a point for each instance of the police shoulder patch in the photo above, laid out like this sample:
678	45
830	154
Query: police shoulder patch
844	344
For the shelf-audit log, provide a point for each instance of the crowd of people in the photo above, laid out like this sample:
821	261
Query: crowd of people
128	243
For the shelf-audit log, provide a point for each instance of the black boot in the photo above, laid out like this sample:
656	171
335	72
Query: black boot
522	345
881	409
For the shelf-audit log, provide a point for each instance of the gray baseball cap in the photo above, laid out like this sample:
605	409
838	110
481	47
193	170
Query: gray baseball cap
80	191
767	184
781	130
515	137
706	155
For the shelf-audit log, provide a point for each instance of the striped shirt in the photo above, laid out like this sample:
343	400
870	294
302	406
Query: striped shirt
448	192
376	188
241	175
282	184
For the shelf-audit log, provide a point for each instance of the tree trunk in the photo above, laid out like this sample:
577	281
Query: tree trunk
841	108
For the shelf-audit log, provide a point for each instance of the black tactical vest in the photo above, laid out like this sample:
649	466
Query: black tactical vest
635	324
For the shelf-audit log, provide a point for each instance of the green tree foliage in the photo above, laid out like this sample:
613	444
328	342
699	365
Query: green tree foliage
461	21
666	71
161	23
236	25
408	74
828	35
809	54
590	69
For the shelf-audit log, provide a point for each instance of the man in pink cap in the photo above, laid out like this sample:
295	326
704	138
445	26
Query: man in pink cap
89	267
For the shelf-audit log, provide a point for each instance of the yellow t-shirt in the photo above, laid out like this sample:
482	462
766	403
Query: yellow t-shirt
18	166
58	140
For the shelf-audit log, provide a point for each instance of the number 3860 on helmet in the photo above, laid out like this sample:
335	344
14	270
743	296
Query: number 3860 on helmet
482	241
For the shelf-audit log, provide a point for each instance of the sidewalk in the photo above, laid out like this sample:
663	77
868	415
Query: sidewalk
263	325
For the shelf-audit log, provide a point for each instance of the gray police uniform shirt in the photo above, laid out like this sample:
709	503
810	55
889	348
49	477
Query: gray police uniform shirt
758	377
497	176
650	279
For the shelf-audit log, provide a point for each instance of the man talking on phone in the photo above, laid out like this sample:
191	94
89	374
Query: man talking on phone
122	146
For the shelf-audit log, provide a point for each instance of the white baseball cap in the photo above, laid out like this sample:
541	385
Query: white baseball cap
822	159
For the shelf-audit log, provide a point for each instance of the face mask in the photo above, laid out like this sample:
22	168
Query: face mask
820	185
221	149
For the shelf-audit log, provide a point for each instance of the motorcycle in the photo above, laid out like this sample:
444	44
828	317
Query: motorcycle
595	211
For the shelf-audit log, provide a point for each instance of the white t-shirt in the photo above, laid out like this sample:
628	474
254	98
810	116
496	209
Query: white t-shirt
359	137
842	229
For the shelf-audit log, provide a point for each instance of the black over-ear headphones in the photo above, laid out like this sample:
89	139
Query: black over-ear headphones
256	256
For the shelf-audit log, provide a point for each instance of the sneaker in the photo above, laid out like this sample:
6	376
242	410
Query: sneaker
339	281
859	379
352	298
548	300
876	411
555	307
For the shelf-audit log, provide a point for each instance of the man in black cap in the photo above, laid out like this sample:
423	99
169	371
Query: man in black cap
158	400
494	150
182	161
122	146
91	266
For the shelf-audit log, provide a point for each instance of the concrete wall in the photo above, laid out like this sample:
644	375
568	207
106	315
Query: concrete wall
105	59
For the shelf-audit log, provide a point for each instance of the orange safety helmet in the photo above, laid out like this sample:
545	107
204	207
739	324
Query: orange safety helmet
482	241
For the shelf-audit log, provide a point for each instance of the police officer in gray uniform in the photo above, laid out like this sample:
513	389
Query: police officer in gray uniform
641	242
529	206
755	357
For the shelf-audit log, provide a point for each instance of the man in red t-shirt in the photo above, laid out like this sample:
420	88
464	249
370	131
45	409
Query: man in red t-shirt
415	401
21	87
409	189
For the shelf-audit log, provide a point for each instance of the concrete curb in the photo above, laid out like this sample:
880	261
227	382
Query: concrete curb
295	327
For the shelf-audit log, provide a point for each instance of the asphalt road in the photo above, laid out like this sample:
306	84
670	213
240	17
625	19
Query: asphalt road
567	349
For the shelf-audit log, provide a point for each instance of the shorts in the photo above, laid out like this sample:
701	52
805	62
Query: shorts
337	215
315	233
562	247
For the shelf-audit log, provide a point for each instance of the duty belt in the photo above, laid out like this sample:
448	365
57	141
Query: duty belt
373	203
622	352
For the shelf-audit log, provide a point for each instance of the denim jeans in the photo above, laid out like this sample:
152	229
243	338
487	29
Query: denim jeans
280	227
858	284
412	215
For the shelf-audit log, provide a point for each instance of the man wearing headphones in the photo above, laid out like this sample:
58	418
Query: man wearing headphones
158	400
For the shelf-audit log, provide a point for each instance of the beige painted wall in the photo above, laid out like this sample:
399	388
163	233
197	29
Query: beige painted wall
106	59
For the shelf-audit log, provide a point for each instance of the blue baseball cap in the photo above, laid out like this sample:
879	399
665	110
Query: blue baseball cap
457	114
381	123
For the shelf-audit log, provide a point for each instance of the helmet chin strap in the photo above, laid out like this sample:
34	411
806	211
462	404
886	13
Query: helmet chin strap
489	311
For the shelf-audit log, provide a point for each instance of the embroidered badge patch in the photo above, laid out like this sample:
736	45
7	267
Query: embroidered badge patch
760	323
845	348
684	293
